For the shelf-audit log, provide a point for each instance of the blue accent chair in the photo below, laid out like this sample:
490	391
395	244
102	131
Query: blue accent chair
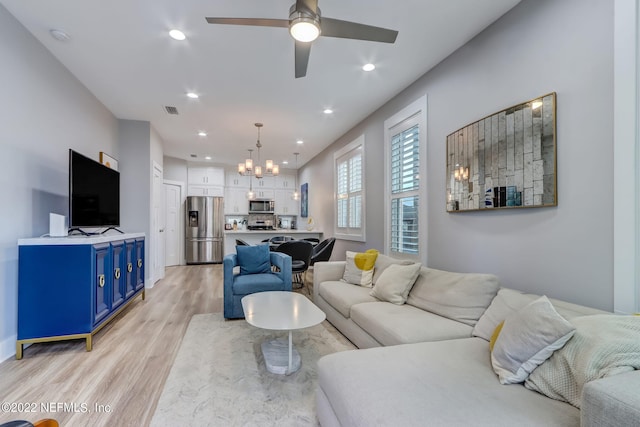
238	285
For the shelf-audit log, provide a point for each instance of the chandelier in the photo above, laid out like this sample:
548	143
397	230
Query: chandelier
249	169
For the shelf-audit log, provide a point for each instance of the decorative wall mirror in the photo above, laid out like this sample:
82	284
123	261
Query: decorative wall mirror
506	160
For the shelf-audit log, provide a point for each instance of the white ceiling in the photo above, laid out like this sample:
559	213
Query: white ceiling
120	50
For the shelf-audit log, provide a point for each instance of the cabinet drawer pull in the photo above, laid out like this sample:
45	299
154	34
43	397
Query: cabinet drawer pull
139	263
101	280
116	274
129	268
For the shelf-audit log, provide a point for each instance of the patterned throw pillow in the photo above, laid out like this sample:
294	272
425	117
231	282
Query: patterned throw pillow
603	345
359	268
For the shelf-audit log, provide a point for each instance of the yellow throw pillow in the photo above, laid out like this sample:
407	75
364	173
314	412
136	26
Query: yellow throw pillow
359	268
495	334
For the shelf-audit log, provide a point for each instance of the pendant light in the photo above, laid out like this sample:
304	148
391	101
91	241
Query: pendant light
296	193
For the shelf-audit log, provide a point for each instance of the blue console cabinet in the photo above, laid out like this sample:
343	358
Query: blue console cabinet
70	287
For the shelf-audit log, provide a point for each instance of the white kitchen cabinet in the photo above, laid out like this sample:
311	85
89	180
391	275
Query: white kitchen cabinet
234	179
235	201
285	182
266	182
264	194
205	175
284	204
205	190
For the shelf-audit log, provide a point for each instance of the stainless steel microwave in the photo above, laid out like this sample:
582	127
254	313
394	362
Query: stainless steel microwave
261	206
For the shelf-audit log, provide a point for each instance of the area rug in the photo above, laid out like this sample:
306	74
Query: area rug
219	377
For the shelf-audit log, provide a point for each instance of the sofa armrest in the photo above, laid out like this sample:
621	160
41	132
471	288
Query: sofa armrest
325	271
283	262
612	401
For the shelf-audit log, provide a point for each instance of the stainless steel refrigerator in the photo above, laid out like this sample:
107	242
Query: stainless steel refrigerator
204	230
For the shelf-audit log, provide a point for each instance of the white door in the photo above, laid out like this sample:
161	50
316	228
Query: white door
157	228
173	240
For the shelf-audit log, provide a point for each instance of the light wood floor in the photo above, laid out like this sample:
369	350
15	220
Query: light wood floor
130	361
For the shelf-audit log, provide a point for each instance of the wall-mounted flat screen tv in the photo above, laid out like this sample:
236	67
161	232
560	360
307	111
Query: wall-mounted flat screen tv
94	193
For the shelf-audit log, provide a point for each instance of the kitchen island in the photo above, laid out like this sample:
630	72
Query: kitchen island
254	237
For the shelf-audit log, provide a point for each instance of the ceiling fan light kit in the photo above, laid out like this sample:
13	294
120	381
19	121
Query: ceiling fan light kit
305	25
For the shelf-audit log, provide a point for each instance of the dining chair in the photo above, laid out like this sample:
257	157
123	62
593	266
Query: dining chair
300	253
322	251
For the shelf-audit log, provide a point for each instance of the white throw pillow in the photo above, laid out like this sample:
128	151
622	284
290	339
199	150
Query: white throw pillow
395	282
528	338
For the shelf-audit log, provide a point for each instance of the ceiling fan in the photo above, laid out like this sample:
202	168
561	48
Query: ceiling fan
305	25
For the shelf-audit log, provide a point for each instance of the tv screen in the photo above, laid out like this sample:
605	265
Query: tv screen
94	193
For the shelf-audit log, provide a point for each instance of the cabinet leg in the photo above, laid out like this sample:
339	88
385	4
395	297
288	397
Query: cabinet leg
89	340
143	295
18	350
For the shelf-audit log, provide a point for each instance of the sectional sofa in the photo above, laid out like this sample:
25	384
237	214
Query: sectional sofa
427	362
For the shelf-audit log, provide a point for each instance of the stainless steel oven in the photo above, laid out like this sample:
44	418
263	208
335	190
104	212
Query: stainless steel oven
261	206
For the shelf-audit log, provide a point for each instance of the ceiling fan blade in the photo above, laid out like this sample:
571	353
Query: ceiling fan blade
353	30
311	5
303	50
260	22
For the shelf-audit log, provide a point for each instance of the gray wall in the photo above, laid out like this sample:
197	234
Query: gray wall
136	182
45	111
539	47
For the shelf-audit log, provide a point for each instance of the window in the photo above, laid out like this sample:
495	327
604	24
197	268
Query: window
405	210
349	190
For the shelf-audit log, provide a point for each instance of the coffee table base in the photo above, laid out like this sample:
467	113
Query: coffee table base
276	357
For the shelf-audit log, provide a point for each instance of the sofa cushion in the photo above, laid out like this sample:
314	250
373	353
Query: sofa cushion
254	259
444	383
392	324
527	338
359	268
384	261
342	296
603	345
458	296
396	282
252	283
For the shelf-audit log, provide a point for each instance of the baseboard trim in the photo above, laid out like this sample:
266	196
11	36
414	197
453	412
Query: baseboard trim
8	348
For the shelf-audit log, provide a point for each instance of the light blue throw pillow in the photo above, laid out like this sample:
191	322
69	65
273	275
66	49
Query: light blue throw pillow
254	259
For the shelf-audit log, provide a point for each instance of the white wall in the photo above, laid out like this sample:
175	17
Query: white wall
538	47
44	111
175	169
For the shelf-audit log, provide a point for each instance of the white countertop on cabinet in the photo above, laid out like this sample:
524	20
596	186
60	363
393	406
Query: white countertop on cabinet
276	231
254	237
78	239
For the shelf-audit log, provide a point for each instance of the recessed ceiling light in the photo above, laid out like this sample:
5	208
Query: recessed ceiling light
60	35
177	35
207	157
193	95
328	111
284	162
300	141
202	133
368	67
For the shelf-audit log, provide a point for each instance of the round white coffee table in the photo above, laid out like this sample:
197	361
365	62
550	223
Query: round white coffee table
281	311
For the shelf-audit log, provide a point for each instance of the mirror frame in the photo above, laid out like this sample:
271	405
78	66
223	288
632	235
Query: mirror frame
506	160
